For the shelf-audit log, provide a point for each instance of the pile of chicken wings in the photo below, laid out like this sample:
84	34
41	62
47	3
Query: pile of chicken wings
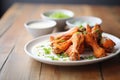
76	40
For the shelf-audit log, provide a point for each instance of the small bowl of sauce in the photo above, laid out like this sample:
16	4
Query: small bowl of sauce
83	21
40	27
58	15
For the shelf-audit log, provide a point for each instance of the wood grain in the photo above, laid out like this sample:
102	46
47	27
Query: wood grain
16	65
5	23
110	68
110	23
8	19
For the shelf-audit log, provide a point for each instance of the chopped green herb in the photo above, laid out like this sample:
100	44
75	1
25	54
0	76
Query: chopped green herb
80	26
63	55
47	50
58	55
62	40
50	57
97	30
53	58
90	57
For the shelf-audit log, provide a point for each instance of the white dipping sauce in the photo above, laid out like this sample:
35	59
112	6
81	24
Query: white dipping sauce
41	24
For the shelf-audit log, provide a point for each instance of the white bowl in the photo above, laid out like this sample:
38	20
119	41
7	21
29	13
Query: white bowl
60	21
40	27
83	20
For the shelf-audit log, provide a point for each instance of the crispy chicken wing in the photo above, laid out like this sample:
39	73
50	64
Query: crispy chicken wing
62	41
69	33
75	40
61	47
97	32
77	46
91	40
88	29
107	44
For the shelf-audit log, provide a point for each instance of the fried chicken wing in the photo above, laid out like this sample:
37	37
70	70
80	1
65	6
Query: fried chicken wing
107	44
63	36
69	33
97	32
97	29
76	40
61	47
77	46
62	41
88	29
91	40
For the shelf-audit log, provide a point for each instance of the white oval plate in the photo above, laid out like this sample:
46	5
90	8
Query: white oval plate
29	46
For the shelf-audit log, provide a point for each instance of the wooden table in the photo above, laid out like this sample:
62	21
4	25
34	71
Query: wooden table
16	65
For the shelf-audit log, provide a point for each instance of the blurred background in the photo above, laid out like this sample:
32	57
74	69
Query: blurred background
5	4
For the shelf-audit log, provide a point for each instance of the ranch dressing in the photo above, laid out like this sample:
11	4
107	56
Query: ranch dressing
44	51
41	24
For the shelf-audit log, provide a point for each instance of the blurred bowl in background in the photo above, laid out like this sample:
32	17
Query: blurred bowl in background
83	21
60	16
40	27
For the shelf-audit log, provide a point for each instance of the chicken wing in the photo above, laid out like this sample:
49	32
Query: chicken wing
88	29
97	32
107	44
73	42
63	36
61	47
62	41
69	33
91	40
77	46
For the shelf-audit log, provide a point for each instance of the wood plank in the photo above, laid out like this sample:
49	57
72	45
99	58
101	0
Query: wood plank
115	11
79	10
20	65
87	72
110	23
110	68
9	17
47	72
4	24
17	60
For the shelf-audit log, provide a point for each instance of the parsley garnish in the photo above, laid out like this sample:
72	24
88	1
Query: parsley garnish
47	50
